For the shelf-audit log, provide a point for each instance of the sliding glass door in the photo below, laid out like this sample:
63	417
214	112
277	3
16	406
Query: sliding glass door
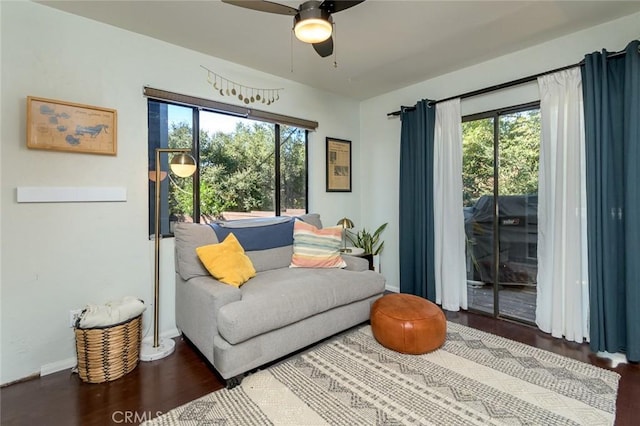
500	185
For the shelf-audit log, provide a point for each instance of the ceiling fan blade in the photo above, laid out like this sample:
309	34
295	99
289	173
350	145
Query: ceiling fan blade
333	6
324	48
263	6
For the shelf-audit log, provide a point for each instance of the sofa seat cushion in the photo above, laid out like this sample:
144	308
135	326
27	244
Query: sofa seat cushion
276	298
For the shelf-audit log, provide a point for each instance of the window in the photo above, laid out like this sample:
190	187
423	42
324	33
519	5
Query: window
246	167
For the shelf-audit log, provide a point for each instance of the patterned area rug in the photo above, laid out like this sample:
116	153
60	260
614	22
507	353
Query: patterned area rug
476	378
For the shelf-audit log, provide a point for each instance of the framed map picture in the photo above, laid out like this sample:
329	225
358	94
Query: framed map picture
66	126
338	165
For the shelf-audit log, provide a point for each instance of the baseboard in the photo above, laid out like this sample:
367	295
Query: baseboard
54	367
68	363
616	358
174	333
393	289
170	334
23	379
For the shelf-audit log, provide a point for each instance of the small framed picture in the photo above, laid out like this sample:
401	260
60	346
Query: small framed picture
71	127
338	165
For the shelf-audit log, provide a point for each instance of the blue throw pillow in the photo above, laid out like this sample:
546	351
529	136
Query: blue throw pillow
259	237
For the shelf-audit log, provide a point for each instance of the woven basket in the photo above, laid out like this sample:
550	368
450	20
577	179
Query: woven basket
108	353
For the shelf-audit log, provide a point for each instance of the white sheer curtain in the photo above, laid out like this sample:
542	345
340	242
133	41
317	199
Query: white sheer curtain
448	217
563	293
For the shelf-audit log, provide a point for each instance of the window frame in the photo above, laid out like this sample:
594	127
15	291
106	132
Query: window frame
195	151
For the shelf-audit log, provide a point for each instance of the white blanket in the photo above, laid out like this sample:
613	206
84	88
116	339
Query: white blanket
113	312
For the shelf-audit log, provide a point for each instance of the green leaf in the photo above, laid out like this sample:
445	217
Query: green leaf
370	243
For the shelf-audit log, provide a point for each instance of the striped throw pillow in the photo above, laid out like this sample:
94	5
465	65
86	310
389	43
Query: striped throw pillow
316	248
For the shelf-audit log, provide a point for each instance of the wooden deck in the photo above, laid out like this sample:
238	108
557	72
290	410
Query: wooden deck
517	302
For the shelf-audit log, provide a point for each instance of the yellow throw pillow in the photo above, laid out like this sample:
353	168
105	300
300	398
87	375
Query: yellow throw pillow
227	262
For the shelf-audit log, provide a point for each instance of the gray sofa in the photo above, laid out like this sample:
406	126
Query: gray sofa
275	313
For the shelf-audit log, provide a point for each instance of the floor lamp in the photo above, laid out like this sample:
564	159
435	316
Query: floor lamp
182	165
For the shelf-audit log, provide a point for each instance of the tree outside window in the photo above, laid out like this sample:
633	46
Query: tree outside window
241	171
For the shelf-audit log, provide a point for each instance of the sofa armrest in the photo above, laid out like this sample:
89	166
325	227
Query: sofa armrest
355	263
198	301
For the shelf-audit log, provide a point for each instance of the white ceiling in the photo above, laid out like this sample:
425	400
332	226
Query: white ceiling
380	45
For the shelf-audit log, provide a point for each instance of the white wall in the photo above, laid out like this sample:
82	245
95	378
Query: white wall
60	256
380	135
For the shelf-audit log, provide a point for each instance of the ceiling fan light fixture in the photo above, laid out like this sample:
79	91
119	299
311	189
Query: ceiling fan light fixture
312	30
312	22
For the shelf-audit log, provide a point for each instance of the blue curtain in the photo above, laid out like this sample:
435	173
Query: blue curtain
611	87
417	273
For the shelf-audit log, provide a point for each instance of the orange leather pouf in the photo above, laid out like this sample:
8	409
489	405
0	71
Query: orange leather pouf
408	323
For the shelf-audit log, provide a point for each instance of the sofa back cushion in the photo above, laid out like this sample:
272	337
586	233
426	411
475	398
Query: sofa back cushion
312	219
267	242
189	236
275	258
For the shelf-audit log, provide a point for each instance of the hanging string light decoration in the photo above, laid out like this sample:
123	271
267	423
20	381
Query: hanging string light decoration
246	94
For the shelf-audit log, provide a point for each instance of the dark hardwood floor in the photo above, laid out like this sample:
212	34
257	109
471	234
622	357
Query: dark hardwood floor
149	390
157	387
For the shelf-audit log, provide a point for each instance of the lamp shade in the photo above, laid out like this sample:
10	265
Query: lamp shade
183	165
346	223
312	30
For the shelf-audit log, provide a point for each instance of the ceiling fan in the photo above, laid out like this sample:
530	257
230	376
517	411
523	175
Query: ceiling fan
312	22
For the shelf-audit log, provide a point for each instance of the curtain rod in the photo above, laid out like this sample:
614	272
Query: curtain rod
502	85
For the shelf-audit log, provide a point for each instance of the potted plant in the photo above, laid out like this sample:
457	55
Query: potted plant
370	243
